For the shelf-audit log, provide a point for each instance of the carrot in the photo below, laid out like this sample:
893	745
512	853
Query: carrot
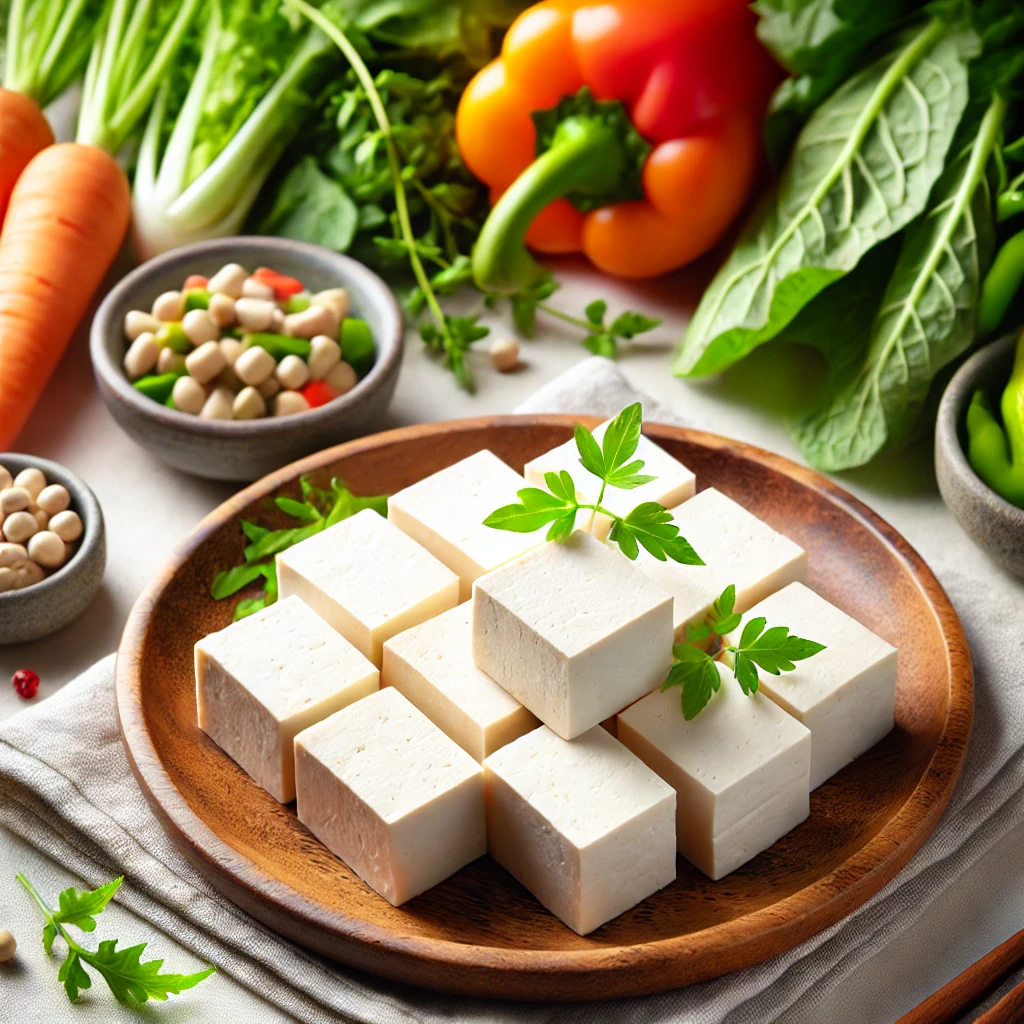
23	133
67	217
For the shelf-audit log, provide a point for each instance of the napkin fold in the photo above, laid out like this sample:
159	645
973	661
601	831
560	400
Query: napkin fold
66	788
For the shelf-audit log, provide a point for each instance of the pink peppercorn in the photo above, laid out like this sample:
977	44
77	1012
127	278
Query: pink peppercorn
26	682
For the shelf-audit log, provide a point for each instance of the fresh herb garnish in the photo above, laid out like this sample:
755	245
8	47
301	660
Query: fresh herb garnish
649	525
131	981
318	510
773	649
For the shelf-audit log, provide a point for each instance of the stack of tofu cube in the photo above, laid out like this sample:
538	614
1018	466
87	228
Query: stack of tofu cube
428	689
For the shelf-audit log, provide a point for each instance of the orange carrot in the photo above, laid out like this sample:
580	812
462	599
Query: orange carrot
23	133
67	218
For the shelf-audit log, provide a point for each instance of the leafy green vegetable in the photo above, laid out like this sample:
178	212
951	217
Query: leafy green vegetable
130	980
927	317
649	525
861	170
318	510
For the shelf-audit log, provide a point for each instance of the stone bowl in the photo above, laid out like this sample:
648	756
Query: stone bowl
58	600
247	449
988	519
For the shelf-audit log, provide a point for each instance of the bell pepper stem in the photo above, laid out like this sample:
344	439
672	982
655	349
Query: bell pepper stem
586	157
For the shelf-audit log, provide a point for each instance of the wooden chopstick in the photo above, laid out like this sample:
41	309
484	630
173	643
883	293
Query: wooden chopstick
973	985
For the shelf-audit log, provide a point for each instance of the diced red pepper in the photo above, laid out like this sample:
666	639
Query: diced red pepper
317	393
195	281
284	287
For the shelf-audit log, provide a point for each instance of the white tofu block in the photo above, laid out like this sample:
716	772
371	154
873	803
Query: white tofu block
674	484
267	677
432	664
573	631
386	791
740	770
737	548
845	694
583	824
446	512
368	580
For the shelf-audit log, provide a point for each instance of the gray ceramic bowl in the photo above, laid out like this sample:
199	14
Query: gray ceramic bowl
247	450
59	599
991	521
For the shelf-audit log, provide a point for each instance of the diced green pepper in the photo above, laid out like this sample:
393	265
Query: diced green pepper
281	345
159	386
170	403
357	347
297	304
172	335
197	298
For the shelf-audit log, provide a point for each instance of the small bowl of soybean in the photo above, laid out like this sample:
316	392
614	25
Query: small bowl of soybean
52	547
232	357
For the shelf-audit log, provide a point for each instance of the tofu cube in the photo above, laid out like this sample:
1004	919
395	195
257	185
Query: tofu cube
368	580
583	824
386	791
432	664
573	631
673	485
845	694
269	676
740	770
737	548
446	512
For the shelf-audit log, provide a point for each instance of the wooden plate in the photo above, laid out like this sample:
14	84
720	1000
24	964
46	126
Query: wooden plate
480	932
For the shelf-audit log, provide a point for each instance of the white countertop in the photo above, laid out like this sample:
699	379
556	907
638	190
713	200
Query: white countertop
150	508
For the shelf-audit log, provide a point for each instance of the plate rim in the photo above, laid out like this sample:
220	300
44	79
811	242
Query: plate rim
382	951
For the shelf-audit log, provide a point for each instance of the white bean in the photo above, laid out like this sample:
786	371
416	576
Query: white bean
277	323
42	518
313	321
169	306
253	289
255	314
188	395
169	361
53	499
47	550
324	356
27	574
8	579
8	946
232	349
248	405
222	309
206	361
14	499
32	479
229	281
11	553
67	526
5	478
337	299
255	365
136	322
341	379
504	354
292	372
142	355
288	403
19	527
199	327
270	387
218	406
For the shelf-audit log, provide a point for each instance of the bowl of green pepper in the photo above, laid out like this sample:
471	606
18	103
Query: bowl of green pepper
979	450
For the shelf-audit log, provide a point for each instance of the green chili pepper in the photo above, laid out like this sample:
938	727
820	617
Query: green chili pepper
172	335
197	298
159	386
996	452
357	347
297	304
281	345
1001	284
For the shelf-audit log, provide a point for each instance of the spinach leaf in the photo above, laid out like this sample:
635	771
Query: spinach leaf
861	171
312	207
927	317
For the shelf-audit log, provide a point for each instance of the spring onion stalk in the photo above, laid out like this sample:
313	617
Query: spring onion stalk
202	182
132	55
47	45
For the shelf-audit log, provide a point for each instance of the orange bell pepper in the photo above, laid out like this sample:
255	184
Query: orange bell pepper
625	129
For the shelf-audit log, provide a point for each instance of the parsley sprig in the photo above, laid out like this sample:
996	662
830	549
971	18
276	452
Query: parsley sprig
318	510
775	650
649	525
131	980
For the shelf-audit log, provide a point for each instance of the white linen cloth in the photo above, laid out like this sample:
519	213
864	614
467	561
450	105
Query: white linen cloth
66	789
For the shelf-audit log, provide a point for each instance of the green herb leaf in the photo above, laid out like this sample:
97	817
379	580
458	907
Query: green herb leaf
651	526
231	581
629	324
591	457
601	344
722	618
561	485
253	532
535	509
773	650
621	438
696	673
298	509
134	982
629	477
72	975
248	606
745	673
81	907
595	312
